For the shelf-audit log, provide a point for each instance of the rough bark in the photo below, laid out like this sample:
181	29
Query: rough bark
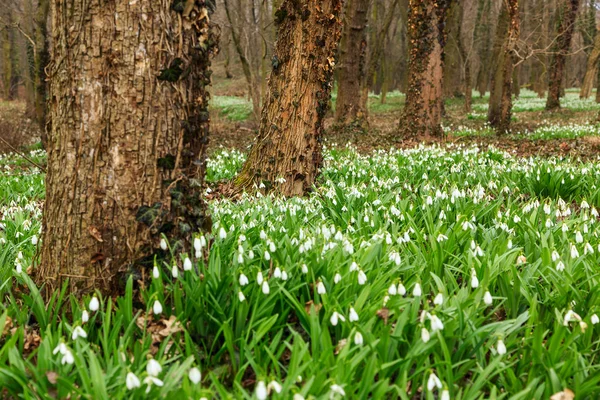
128	104
350	111
567	13
41	60
591	69
287	154
422	115
507	35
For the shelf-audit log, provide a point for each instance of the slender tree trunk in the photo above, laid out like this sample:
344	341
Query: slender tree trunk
483	36
129	130
591	69
351	67
598	87
567	13
423	110
287	154
42	58
10	71
507	34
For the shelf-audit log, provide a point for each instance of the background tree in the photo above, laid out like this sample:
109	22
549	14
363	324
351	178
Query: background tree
566	15
507	35
129	129
591	69
422	114
352	65
286	156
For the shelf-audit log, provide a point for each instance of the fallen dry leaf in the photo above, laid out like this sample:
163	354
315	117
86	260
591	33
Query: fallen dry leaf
566	394
310	305
52	377
384	314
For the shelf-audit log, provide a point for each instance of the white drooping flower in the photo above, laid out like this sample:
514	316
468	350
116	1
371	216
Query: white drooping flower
560	266
337	389
433	382
78	332
241	296
155	273
276	386
337	278
436	323
417	290
94	304
163	244
358	338
321	288
439	299
474	279
362	278
574	252
197	245
34	240
187	264
277	273
243	280
353	315
261	390
571	316
445	395
487	298
157	307
401	289
265	287
85	316
222	233
259	278
175	271
153	367
335	317
151	380
132	381
195	375
304	269
442	238
555	255
501	347
425	336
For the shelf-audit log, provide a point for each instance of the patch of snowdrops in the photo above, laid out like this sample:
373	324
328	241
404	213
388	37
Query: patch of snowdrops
451	274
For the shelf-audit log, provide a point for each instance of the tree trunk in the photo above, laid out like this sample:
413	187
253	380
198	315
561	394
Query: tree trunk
129	130
483	37
352	52
10	71
287	154
423	110
591	69
41	60
507	34
567	13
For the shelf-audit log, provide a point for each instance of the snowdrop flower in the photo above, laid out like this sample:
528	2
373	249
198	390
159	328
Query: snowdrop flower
94	304
163	244
474	280
304	269
34	240
595	319
578	237
157	307
433	382
353	266
85	317
521	260
571	316
337	278
588	248
276	386
259	278
277	273
267	255
18	268
500	347
445	395
195	375
392	291
153	367
574	252
243	280
78	332
132	381
265	287
442	238
439	299
487	298
321	288
337	389
353	315
555	255
417	290
362	278
425	336
61	348
222	233
175	271
187	264
197	245
560	266
335	317
261	390
67	358
401	289
155	273
241	296
516	219
436	323
284	275
151	380
358	339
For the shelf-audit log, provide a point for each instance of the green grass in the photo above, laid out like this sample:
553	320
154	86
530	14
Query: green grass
526	229
232	108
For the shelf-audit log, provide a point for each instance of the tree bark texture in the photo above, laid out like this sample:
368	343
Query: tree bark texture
422	115
286	156
351	65
566	15
507	35
591	69
128	104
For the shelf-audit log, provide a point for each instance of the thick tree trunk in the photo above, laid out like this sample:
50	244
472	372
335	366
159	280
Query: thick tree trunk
287	154
129	128
422	115
567	13
507	34
42	58
591	69
351	65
